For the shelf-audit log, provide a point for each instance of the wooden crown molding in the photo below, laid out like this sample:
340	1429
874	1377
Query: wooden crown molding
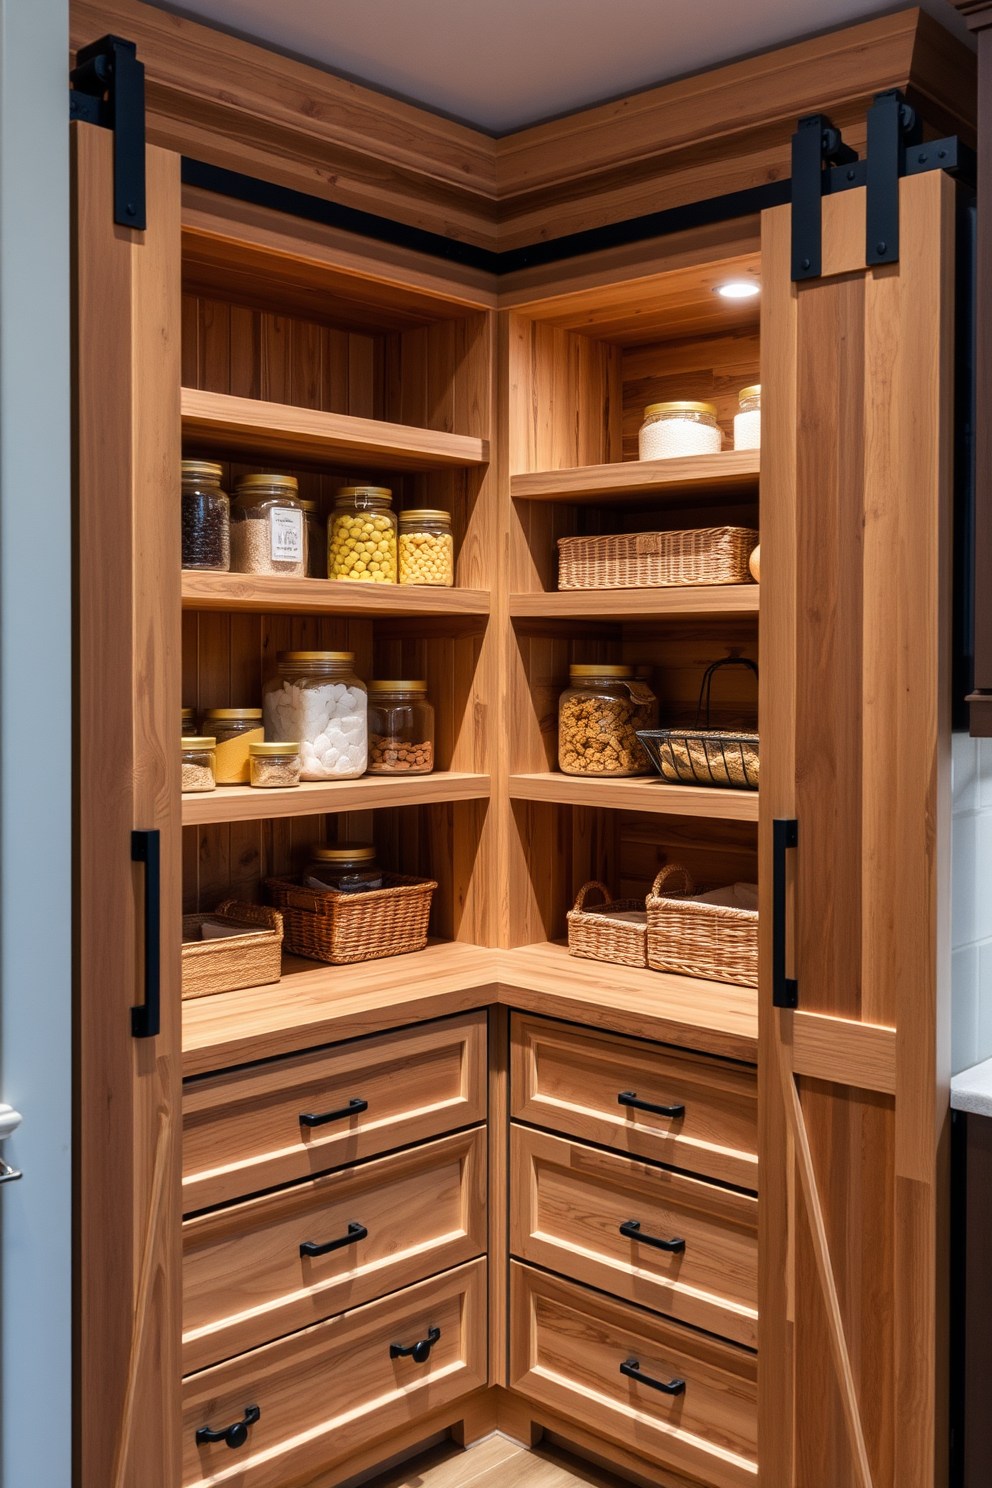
977	13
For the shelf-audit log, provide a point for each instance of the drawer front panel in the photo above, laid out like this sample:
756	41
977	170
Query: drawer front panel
569	1203
401	1218
571	1081
242	1130
568	1346
326	1392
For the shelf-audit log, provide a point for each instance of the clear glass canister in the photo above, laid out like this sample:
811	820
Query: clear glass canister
206	517
316	541
274	765
427	548
316	698
198	764
189	722
673	429
599	714
349	867
235	730
361	535
268	528
747	423
401	729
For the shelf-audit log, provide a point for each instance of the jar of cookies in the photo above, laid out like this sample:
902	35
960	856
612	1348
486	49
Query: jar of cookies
427	548
361	535
599	714
401	729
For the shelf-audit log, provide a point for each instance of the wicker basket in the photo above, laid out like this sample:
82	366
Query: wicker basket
243	961
651	560
699	940
339	928
597	934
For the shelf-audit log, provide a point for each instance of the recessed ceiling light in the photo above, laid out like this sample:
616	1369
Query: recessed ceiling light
739	289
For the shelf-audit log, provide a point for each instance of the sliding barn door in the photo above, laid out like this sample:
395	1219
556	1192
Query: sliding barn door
857	391
127	374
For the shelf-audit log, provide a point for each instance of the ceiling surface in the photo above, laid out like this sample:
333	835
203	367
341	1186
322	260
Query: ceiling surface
502	64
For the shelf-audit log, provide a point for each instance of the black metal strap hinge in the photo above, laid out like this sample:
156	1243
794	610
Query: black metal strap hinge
815	145
108	88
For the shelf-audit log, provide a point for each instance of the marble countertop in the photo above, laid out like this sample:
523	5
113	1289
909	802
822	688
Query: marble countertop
971	1090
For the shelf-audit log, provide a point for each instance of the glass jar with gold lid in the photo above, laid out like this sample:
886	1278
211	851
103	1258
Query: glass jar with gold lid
268	527
348	867
316	698
426	547
680	428
235	730
599	714
401	729
198	763
361	535
206	517
747	423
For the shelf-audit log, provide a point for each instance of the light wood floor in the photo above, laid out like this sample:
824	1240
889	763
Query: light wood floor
495	1462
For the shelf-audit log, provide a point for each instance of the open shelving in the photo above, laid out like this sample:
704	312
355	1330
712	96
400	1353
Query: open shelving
732	474
636	793
238	803
636	604
275	594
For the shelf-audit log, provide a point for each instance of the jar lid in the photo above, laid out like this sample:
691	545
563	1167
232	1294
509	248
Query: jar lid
600	669
286	483
750	392
397	686
196	742
204	468
382	493
267	750
299	658
686	406
424	514
342	852
309	506
189	713
219	713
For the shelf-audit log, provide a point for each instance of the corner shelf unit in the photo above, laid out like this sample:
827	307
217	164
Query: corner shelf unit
272	594
732	473
237	803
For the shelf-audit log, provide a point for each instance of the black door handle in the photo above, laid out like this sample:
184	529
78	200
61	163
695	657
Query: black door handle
355	1233
419	1352
632	1369
631	1228
785	989
145	1017
355	1105
629	1098
235	1436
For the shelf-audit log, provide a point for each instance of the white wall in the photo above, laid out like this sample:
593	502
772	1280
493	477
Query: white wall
35	746
971	901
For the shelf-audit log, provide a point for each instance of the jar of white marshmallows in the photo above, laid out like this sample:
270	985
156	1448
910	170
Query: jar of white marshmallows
673	429
747	423
316	698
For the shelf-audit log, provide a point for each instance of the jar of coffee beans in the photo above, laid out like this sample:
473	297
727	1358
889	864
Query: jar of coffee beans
401	729
206	517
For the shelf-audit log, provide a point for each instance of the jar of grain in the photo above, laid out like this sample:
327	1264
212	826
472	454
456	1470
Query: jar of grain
361	536
198	764
349	867
235	730
316	541
401	729
599	714
268	530
274	765
673	429
206	517
316	698
427	548
747	423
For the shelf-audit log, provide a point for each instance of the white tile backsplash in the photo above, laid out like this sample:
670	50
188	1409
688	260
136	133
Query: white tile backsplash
971	901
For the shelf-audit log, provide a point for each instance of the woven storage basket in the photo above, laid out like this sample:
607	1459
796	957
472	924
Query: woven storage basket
243	961
651	560
598	935
699	940
339	928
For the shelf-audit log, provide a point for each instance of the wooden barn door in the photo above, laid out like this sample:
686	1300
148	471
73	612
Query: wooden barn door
857	384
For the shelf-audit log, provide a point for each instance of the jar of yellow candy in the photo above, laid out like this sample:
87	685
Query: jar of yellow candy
361	535
427	549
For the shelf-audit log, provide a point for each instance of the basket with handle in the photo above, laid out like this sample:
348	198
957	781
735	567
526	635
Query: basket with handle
341	928
705	756
699	940
599	933
654	560
227	965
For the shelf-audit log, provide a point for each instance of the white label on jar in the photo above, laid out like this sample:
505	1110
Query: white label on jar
286	532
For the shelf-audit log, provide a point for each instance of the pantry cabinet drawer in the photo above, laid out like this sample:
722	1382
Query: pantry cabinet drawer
596	1086
601	1362
249	1271
250	1128
606	1220
324	1393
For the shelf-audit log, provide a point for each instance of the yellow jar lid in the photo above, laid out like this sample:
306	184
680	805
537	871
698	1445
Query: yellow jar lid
344	852
309	506
268	750
300	657
189	713
750	392
686	406
206	742
424	515
599	669
219	713
287	483
204	468
397	686
382	492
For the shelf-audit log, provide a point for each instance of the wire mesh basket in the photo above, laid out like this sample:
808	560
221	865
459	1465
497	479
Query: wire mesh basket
705	756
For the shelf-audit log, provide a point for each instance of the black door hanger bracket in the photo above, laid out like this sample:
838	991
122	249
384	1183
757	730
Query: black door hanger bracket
108	88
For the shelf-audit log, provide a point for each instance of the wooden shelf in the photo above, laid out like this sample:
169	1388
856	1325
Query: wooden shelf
274	594
637	604
247	425
637	793
731	473
232	803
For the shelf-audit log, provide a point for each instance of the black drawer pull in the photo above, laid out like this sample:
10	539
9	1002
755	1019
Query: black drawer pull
631	1228
419	1352
632	1369
235	1435
355	1233
356	1104
629	1098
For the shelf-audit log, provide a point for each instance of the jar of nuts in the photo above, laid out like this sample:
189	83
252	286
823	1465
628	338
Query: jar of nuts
361	536
401	729
599	714
427	549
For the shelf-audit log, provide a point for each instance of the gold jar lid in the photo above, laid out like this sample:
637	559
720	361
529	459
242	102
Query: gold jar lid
344	852
288	484
204	469
599	669
381	686
684	406
300	658
309	506
423	514
750	392
221	713
382	493
268	750
189	713
206	742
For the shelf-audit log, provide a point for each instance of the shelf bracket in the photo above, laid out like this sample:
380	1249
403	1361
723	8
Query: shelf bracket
108	89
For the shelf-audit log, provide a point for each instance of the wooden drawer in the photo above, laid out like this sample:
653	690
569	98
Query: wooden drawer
566	1211
567	1346
571	1080
324	1393
242	1129
245	1280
